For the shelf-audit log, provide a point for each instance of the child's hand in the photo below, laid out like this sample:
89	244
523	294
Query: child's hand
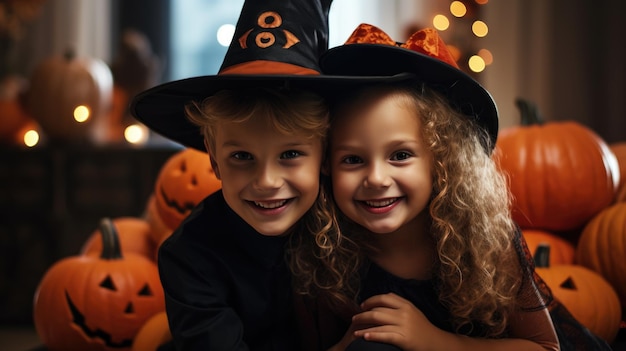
394	320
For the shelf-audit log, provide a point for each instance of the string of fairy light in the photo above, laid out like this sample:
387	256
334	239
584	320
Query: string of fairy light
464	14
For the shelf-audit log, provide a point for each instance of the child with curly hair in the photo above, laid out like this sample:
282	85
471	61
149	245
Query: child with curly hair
438	263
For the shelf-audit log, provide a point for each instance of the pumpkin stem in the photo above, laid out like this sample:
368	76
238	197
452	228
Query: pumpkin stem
529	114
542	255
110	240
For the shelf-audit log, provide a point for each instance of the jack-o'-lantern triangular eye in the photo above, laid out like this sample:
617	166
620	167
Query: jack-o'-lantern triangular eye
569	284
107	283
145	291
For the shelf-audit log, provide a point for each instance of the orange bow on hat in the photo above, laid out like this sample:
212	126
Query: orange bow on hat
370	52
425	41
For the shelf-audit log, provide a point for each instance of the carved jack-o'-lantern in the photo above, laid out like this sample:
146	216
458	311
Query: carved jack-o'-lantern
184	180
585	293
91	302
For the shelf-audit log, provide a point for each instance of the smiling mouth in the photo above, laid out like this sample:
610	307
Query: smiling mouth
380	203
270	205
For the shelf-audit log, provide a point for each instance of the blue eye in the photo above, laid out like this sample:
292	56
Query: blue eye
400	155
351	160
290	154
241	155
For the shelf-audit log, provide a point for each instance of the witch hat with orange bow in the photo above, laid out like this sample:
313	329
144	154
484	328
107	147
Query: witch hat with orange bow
371	52
277	43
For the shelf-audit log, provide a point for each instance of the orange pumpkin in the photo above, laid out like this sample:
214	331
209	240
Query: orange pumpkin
561	250
153	334
90	302
184	180
602	247
585	293
619	149
561	173
59	85
134	235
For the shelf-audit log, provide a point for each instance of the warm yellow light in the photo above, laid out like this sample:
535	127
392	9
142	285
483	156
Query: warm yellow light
481	2
31	138
136	134
480	29
441	22
486	55
476	64
458	9
81	113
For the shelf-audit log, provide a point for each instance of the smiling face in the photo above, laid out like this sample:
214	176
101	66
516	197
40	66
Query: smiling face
380	168
269	178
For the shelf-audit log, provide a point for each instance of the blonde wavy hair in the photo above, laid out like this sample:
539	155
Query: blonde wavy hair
316	239
478	272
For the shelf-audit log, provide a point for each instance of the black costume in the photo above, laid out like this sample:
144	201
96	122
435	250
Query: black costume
322	328
227	287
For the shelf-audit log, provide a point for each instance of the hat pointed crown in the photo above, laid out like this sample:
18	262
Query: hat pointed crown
278	37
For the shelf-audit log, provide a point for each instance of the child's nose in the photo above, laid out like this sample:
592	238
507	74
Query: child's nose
268	177
377	177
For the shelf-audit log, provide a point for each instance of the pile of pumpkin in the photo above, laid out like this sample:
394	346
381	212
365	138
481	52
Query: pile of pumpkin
109	296
569	196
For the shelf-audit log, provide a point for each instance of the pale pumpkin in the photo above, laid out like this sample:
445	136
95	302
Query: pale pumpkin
59	85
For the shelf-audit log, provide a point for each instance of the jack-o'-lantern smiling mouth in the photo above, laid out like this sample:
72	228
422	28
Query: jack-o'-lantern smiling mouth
183	209
79	319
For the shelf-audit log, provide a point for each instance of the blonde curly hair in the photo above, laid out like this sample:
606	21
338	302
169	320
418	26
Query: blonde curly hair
478	273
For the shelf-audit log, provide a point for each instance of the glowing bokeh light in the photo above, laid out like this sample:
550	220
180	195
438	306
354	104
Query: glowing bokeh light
31	138
486	56
441	22
476	63
225	34
480	29
81	113
458	9
136	134
481	2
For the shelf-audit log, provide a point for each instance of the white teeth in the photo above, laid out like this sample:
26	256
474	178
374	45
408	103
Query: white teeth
270	205
381	203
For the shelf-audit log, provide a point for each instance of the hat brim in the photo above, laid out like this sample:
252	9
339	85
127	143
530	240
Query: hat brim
162	108
465	94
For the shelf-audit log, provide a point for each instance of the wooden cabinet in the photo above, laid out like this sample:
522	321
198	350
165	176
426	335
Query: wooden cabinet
51	200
